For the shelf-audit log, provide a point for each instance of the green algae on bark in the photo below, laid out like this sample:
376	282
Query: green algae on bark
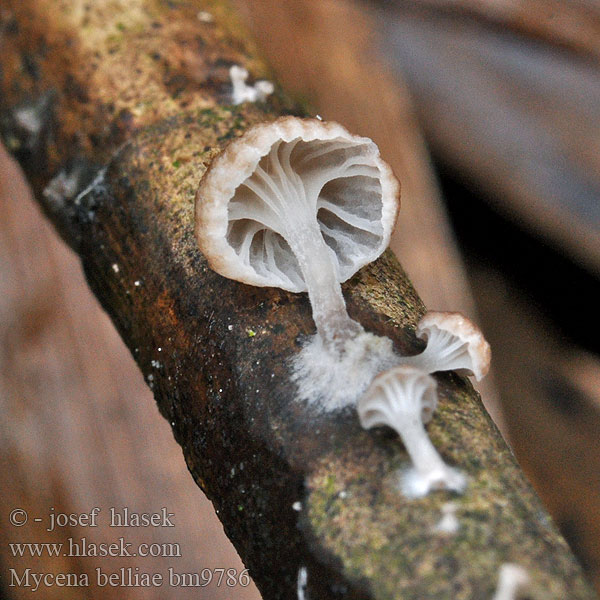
392	541
133	99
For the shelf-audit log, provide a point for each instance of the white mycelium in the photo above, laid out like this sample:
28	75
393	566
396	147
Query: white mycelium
29	118
404	398
62	187
453	344
302	205
334	377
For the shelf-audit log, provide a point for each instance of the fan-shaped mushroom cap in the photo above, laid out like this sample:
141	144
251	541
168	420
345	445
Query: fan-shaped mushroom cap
258	194
397	395
459	343
404	398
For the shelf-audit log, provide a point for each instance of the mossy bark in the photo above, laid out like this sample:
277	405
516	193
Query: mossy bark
115	110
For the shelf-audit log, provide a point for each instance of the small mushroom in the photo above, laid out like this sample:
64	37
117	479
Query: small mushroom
242	92
454	343
449	523
302	204
512	580
404	398
298	204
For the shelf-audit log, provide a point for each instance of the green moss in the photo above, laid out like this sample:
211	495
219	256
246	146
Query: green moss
380	535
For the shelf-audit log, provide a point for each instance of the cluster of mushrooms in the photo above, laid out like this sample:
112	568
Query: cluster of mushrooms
302	205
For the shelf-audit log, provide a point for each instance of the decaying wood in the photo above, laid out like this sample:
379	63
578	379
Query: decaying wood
79	428
132	100
517	117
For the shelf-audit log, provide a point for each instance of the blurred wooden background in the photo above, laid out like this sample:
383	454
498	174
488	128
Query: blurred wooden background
478	232
79	426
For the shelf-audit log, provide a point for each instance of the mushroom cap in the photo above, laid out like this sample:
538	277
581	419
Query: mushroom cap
317	170
394	394
459	326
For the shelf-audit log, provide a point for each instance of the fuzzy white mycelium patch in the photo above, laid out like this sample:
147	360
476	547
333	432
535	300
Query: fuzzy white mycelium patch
330	381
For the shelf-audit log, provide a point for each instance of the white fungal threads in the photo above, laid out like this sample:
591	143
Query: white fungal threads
448	524
309	205
332	380
242	92
512	580
404	398
302	583
96	182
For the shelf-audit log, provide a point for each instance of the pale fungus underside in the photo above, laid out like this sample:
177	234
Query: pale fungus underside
302	205
134	102
405	398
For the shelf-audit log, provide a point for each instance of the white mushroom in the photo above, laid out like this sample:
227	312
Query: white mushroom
298	204
404	398
302	204
302	583
453	344
449	523
512	580
242	92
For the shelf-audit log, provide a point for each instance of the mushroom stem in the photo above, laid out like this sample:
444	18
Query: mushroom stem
430	472
404	398
425	457
512	580
318	267
431	360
